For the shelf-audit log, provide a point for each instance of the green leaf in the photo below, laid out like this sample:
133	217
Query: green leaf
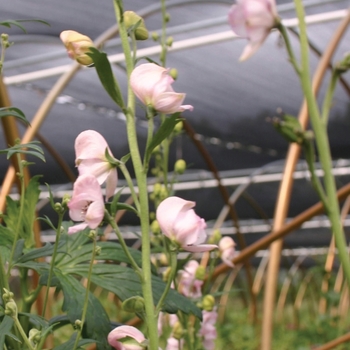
105	73
97	324
17	23
106	275
5	330
31	198
78	251
36	320
36	253
113	207
68	345
34	150
163	132
14	112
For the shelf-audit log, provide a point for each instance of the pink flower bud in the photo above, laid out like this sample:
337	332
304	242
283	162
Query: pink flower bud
77	45
227	250
208	330
86	204
133	343
152	85
179	223
253	19
190	286
90	150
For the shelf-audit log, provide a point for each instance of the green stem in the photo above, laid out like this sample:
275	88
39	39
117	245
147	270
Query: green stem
323	147
122	243
173	267
163	38
20	216
86	300
282	29
310	159
146	280
53	259
128	179
327	102
23	334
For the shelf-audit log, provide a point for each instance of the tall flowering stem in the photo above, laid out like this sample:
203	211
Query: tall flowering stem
141	178
322	142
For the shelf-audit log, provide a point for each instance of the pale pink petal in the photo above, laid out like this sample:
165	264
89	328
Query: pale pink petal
200	248
77	228
111	183
123	332
253	19
90	144
152	85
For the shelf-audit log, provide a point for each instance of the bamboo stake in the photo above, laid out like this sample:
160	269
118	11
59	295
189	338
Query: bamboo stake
282	203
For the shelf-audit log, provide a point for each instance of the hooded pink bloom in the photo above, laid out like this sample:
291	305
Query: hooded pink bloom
179	223
253	19
126	332
86	203
90	148
77	46
152	85
189	285
227	250
208	330
174	344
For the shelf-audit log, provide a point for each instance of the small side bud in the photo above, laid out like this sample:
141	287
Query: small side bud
11	309
178	331
200	273
169	41
179	126
167	18
208	302
34	336
135	23
134	304
180	166
78	324
155	36
344	64
215	237
173	73
77	45
155	228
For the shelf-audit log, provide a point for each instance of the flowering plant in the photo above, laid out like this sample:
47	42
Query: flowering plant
171	297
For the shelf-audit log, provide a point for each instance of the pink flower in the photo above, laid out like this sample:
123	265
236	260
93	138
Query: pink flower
208	330
227	250
174	344
133	343
179	223
90	149
189	285
253	19
152	85
77	46
86	203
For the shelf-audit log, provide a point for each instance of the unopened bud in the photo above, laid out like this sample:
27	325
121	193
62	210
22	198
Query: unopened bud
77	45
134	304
178	330
200	273
92	234
178	127
155	228
215	237
170	41
180	166
11	309
155	36
167	17
208	302
98	250
163	259
166	274
34	336
173	73
136	23
78	324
